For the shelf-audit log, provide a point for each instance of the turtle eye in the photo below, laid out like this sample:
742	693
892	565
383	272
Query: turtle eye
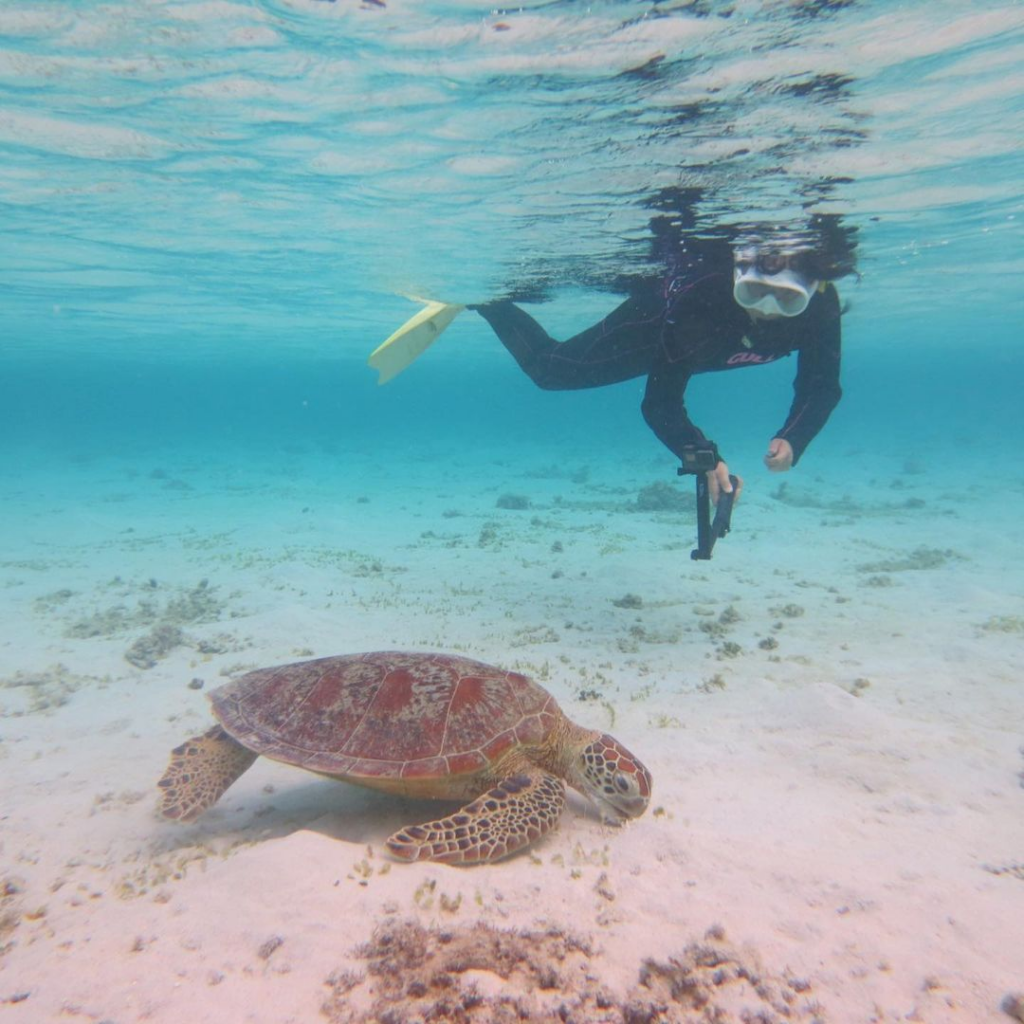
621	783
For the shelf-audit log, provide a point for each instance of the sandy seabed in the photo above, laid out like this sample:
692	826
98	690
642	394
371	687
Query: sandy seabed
831	709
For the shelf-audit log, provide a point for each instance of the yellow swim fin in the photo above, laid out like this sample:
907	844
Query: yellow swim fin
412	339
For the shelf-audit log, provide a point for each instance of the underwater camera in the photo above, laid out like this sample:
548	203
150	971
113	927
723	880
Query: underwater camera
699	459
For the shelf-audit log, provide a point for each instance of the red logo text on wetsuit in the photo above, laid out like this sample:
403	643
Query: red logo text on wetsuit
744	358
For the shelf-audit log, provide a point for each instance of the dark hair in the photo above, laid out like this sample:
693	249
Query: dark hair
828	247
681	243
681	238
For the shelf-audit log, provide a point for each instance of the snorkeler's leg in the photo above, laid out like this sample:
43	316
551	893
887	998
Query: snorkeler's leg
620	347
529	344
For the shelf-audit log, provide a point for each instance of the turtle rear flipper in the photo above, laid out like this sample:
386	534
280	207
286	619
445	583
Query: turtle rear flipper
200	770
515	813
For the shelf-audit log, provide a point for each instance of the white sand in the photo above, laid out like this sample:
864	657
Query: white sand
843	805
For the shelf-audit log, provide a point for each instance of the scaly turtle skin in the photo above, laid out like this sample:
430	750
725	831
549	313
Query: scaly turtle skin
421	725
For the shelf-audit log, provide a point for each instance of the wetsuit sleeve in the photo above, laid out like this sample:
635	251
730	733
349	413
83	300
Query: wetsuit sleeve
665	411
816	390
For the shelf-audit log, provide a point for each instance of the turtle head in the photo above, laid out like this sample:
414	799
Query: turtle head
615	779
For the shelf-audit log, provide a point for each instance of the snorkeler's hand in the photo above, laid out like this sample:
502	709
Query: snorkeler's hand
779	456
719	483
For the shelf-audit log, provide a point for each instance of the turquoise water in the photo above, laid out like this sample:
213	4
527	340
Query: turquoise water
244	182
213	208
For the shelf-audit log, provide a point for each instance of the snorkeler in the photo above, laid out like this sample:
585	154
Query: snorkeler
747	300
776	299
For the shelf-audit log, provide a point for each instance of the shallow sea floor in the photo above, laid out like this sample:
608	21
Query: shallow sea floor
831	710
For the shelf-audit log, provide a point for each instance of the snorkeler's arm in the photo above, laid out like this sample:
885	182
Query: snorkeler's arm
665	413
816	389
665	410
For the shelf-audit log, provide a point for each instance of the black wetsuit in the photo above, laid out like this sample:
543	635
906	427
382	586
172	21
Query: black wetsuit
668	331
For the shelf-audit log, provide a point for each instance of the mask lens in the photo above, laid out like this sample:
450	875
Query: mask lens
792	303
784	293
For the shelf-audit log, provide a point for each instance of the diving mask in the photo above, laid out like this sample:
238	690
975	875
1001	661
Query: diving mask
772	288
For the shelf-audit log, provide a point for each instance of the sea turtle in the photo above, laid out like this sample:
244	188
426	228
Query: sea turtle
422	725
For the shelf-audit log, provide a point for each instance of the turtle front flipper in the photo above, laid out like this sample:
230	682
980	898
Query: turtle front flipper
201	769
515	813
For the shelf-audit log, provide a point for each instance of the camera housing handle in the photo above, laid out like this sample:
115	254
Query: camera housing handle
699	459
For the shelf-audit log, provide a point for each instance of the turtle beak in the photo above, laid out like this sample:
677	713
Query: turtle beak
624	808
609	815
634	806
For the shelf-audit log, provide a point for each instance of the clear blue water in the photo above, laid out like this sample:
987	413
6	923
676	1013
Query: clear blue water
211	209
211	212
256	181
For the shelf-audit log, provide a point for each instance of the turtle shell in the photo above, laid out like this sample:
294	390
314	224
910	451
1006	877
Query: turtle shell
386	716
